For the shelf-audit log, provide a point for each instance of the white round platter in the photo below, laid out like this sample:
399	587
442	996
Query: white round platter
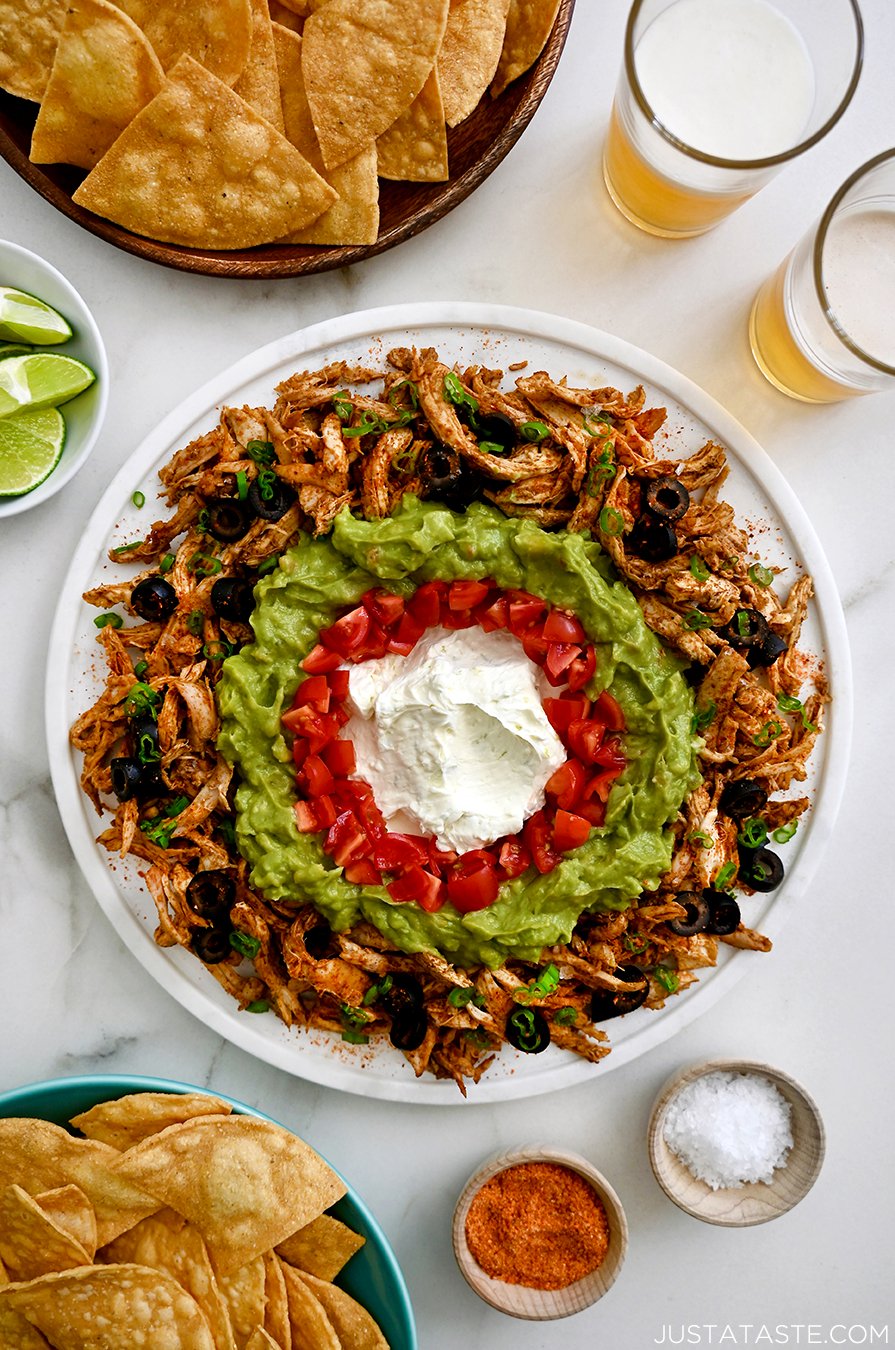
496	336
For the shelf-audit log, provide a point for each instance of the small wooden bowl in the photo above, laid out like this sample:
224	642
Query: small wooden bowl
541	1305
757	1201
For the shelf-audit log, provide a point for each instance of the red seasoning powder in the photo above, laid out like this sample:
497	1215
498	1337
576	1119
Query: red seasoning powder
539	1224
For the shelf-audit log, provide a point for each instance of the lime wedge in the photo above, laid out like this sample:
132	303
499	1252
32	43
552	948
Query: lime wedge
28	319
12	349
30	448
40	380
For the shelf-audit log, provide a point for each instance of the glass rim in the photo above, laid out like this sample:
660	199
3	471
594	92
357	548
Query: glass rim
718	161
820	239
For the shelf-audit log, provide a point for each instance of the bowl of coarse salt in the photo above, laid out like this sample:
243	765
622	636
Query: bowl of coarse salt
735	1142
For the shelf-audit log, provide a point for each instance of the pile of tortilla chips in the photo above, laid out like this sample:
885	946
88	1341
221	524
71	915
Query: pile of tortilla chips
171	1225
226	124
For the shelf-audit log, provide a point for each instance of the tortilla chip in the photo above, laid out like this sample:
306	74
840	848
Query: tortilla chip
259	82
216	33
199	167
529	23
414	149
286	18
276	1307
322	1248
166	1242
311	1328
354	219
246	1184
364	63
352	1323
29	31
71	1211
39	1156
301	7
469	54
31	1244
128	1120
105	71
261	1340
111	1308
243	1293
17	1333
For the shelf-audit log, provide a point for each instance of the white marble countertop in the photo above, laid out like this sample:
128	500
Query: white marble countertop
539	233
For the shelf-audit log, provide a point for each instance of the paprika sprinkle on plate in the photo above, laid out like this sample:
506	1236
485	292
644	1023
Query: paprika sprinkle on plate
539	1224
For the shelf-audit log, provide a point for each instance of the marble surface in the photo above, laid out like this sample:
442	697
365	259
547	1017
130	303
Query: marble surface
540	233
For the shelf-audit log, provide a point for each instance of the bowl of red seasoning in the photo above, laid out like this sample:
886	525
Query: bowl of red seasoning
539	1233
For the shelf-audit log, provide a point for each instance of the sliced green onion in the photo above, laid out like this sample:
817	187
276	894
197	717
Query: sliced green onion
242	484
412	390
258	1005
369	422
729	563
342	406
668	978
138	499
203	565
612	522
354	1037
376	990
784	833
699	569
703	840
203	520
534	431
760	575
195	622
456	394
725	876
523	1022
141	668
353	1017
754	833
129	548
405	460
266	483
147	750
769	732
245	944
227	830
479	1040
218	650
786	703
595	423
141	699
166	563
492	448
696	620
269	565
566	1017
162	827
703	717
461	998
743	623
108	620
635	943
262	452
546	982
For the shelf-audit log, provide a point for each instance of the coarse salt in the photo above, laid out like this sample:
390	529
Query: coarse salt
729	1128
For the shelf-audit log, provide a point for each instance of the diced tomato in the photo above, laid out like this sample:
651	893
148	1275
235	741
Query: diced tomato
317	728
338	683
563	711
314	777
472	886
394	851
566	785
467	594
610	755
440	859
514	857
384	607
598	788
315	691
406	635
347	634
455	619
346	839
299	751
525	610
369	814
594	811
340	758
609	711
417	884
536	833
371	647
534	644
560	656
569	831
584	738
560	626
363	873
582	669
426	602
319	660
306	818
496	615
326	812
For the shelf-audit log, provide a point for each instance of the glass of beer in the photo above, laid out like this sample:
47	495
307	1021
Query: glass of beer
823	326
715	96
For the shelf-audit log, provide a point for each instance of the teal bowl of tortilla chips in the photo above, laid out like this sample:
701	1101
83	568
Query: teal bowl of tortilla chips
371	1275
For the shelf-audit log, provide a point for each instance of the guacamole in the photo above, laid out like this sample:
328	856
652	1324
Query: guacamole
422	542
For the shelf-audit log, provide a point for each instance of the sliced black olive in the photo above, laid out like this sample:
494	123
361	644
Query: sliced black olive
760	869
154	599
408	1030
497	428
724	913
212	945
127	776
747	629
448	478
233	598
210	894
606	1003
652	539
697	915
666	498
403	997
766	652
276	504
527	1030
742	798
320	943
146	745
228	519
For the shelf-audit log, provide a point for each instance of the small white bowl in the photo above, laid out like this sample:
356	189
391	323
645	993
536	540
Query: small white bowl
540	1305
755	1201
84	415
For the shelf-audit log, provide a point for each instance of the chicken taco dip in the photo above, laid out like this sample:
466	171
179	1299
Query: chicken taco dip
451	707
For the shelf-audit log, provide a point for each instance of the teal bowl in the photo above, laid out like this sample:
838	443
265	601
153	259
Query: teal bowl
372	1276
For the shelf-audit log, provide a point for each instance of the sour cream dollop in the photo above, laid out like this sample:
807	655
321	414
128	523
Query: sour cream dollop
453	739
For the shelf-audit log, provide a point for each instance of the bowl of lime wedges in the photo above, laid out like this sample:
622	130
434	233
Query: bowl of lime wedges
54	380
